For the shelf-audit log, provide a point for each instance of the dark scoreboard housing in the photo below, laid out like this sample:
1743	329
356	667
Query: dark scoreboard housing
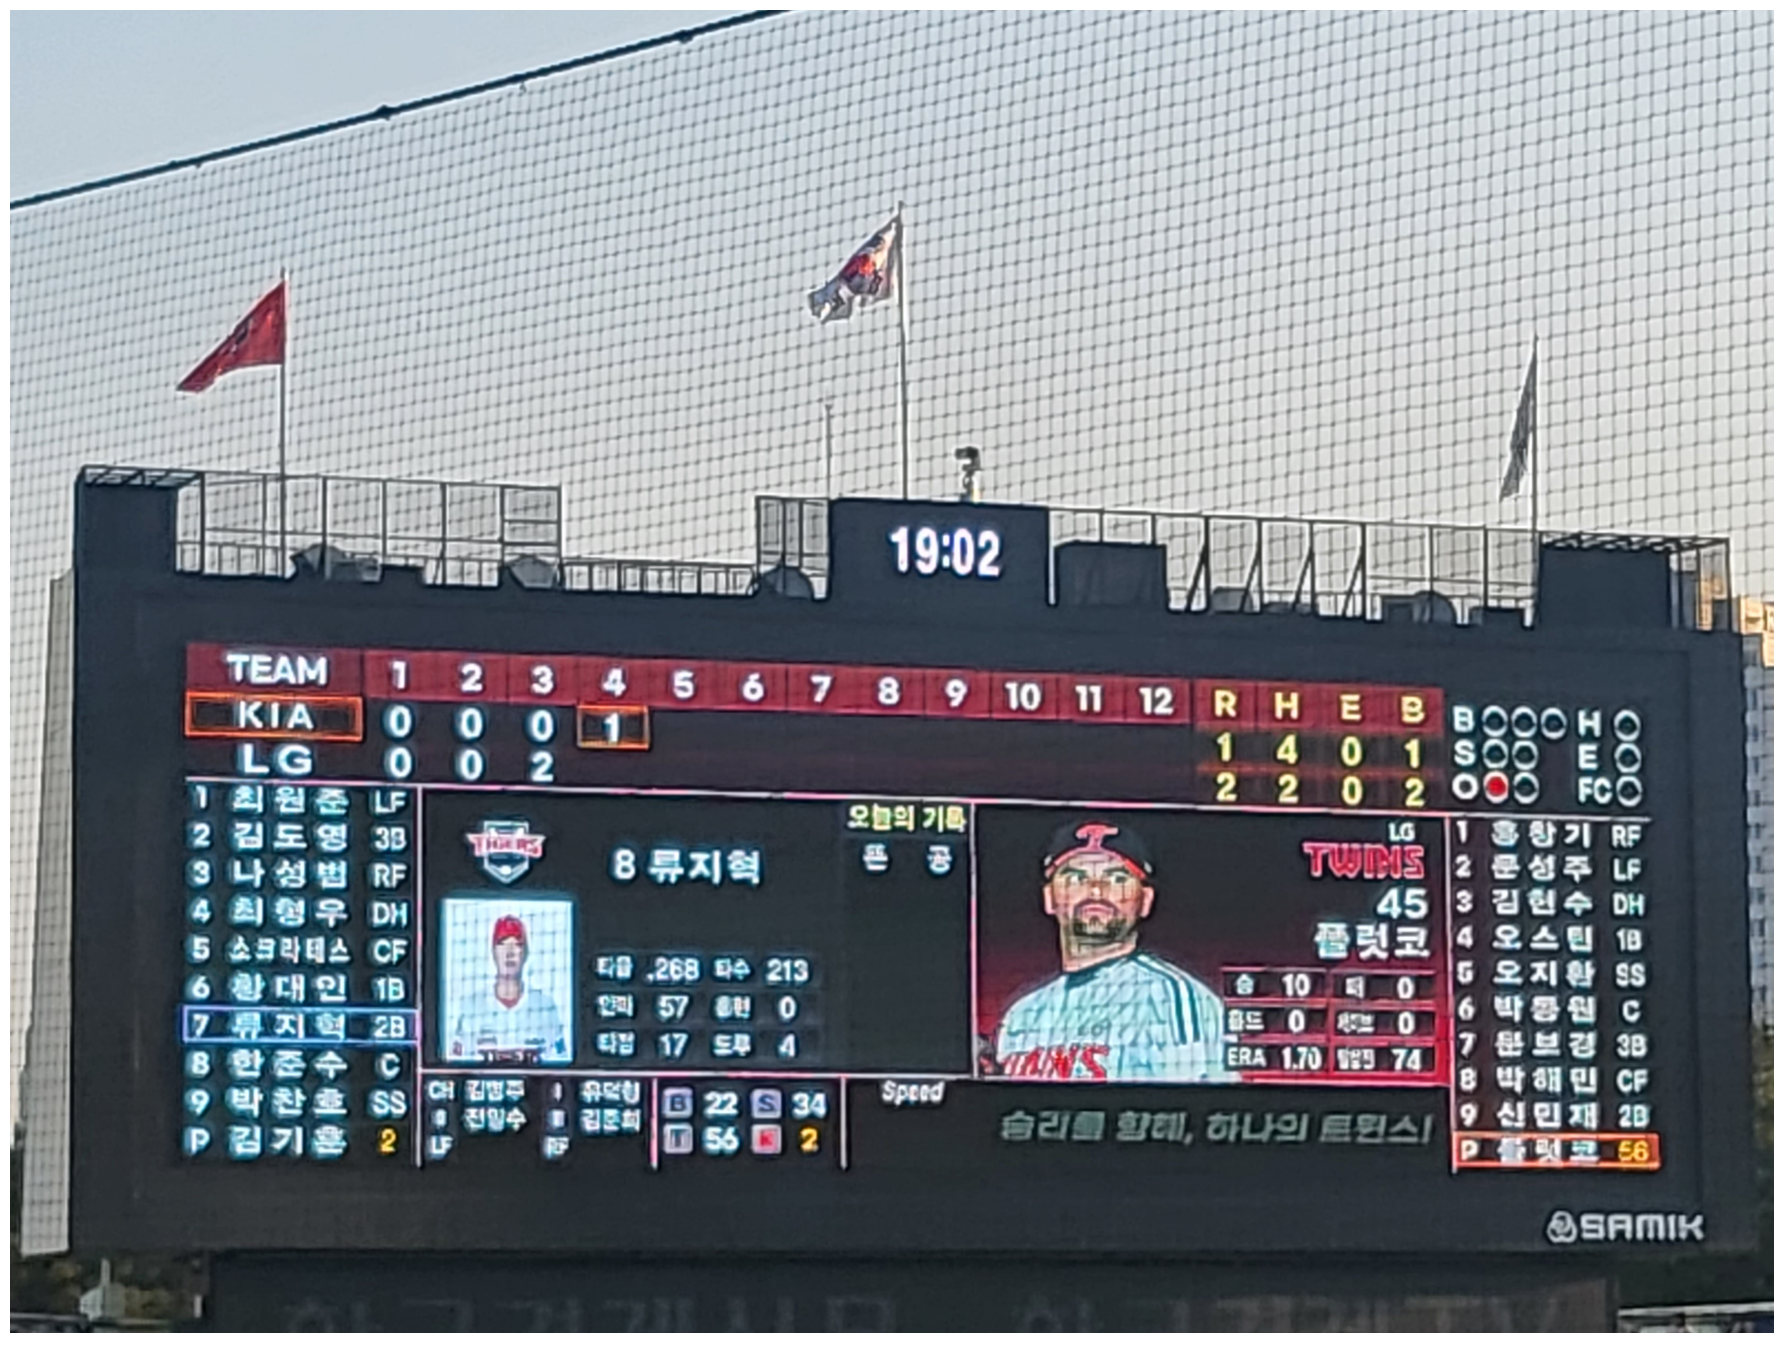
885	934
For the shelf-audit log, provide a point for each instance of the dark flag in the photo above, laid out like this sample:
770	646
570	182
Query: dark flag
258	338
1521	431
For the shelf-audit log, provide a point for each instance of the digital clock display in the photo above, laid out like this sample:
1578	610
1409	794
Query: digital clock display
962	552
974	558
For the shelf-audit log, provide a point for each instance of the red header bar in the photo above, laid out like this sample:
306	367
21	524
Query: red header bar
249	668
1324	707
711	684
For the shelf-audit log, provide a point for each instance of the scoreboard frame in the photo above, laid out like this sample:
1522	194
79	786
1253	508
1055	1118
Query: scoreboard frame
136	620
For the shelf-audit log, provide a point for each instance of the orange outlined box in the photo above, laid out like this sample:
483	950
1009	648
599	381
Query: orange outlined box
613	728
236	714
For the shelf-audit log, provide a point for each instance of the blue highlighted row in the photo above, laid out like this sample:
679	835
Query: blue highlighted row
371	1028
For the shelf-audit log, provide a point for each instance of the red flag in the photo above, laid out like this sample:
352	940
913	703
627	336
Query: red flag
258	338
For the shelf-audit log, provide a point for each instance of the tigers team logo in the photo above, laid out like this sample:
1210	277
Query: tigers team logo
506	848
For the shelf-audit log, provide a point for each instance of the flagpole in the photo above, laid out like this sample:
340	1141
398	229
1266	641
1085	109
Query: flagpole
285	305
1535	478
904	339
828	407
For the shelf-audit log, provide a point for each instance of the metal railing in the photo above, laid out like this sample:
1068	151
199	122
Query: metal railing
1324	567
793	532
478	534
455	532
459	533
710	578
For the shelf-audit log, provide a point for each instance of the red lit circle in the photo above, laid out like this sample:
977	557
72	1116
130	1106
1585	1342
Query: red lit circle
1495	786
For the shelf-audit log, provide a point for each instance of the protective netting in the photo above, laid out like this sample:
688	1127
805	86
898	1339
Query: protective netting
1279	263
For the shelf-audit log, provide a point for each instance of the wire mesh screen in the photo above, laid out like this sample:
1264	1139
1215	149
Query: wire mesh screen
1288	264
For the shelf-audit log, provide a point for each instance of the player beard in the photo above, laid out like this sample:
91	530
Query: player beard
1097	931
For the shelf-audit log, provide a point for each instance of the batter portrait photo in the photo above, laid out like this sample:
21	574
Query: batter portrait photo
507	992
1071	983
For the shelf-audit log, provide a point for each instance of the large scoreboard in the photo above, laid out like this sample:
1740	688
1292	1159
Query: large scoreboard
929	916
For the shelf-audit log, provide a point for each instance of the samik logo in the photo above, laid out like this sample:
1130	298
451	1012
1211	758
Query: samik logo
1564	1228
505	848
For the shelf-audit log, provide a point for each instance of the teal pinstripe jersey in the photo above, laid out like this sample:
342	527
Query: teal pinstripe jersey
1134	1017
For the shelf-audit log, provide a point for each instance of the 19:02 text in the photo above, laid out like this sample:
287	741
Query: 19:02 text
926	551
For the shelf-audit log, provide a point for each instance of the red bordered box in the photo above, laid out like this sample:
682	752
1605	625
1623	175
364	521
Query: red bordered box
1093	698
1156	700
818	688
604	679
955	693
406	674
1287	706
679	683
541	679
882	691
472	677
1223	703
747	686
1408	711
1027	696
222	667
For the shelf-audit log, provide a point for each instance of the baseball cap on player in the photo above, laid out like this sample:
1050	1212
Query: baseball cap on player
509	927
1097	837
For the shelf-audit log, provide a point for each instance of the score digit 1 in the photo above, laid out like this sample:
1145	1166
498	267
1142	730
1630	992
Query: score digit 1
613	728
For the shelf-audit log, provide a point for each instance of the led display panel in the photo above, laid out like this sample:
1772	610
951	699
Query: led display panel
491	919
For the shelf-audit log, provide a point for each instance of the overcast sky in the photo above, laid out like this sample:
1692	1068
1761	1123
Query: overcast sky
95	94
